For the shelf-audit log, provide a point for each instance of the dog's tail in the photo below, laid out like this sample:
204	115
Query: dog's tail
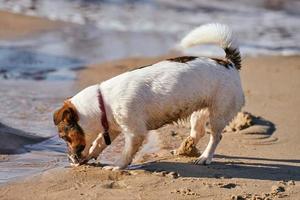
219	34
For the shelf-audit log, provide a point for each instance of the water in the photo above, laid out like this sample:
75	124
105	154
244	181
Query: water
263	26
38	73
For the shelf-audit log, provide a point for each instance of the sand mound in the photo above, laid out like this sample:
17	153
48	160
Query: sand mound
187	148
243	120
252	128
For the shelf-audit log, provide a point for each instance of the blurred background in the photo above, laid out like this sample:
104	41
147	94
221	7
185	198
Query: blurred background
43	43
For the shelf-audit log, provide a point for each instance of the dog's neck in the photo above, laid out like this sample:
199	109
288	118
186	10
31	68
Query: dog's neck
87	106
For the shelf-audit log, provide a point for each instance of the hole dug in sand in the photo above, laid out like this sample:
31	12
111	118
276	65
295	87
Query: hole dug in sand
256	130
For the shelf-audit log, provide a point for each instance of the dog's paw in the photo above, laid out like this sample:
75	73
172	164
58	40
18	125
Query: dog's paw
74	164
111	168
203	160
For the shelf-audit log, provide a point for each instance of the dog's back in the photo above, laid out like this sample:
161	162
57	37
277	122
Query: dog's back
172	89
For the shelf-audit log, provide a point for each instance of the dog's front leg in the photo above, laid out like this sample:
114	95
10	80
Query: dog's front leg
99	145
133	141
132	145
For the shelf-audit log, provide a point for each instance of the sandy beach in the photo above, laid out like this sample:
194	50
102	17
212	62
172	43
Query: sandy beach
246	166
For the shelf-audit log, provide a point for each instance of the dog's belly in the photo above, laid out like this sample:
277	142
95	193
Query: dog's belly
172	115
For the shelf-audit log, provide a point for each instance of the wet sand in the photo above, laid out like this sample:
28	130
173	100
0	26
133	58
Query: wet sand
251	166
23	26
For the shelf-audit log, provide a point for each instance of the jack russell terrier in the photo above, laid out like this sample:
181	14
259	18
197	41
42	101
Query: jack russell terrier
150	97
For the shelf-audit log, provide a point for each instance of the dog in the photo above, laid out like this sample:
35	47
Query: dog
132	103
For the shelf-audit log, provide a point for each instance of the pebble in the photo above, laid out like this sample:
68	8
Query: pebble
173	133
173	175
257	198
124	172
186	191
282	195
160	173
229	186
277	189
291	182
167	174
133	173
237	197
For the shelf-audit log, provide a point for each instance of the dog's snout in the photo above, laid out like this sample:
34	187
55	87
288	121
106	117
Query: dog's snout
79	149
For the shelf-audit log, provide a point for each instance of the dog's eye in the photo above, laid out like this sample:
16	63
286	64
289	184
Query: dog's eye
67	139
66	128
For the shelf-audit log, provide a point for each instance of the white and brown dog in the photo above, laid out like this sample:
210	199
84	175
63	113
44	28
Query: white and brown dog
150	97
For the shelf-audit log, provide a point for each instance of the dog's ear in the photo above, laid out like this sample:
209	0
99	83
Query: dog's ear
67	114
57	117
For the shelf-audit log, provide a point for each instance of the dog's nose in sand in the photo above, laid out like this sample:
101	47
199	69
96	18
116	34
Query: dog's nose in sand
76	158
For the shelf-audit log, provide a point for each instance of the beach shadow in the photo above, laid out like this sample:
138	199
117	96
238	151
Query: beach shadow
13	140
260	169
260	126
252	129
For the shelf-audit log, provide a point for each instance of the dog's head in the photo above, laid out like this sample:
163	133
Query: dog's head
66	119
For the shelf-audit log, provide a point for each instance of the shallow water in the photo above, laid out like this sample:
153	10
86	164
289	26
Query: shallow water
57	55
263	26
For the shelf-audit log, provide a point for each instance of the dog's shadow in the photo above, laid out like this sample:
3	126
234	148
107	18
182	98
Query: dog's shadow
245	167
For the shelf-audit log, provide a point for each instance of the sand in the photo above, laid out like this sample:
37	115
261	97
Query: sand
249	165
13	26
245	166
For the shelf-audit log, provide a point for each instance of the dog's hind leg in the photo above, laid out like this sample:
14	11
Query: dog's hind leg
198	121
219	117
217	125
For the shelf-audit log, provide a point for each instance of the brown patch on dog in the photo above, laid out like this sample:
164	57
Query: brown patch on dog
141	67
182	59
66	119
234	55
187	148
225	63
67	114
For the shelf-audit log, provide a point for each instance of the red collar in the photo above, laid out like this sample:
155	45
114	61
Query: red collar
104	120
